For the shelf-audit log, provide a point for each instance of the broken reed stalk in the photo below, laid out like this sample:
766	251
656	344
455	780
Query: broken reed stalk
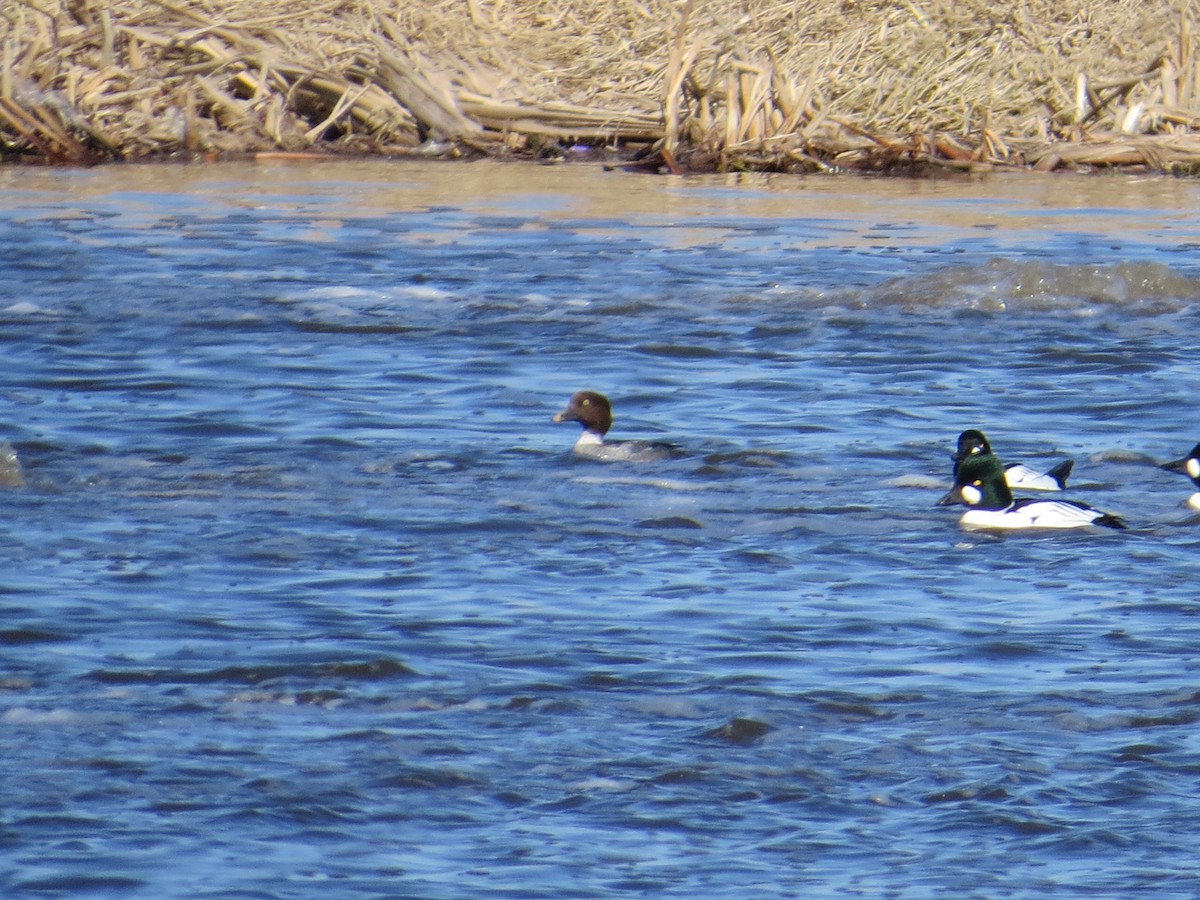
678	63
435	111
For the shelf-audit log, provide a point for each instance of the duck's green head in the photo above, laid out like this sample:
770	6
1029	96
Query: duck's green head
979	482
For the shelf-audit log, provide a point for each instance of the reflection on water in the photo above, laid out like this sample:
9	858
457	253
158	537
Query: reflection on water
302	587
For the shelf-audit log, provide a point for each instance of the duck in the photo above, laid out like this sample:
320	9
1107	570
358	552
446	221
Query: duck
1188	465
1018	475
980	484
593	412
11	474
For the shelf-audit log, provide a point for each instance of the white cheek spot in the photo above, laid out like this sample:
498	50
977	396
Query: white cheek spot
1193	467
971	494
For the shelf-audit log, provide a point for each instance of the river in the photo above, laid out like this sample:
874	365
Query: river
303	594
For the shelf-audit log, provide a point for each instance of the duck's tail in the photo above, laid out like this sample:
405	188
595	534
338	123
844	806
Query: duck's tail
1061	472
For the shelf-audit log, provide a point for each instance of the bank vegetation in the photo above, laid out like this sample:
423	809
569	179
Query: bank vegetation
694	85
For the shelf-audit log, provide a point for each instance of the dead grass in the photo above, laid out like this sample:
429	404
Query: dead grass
787	84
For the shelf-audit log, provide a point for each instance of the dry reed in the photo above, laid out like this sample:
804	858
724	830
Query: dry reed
728	84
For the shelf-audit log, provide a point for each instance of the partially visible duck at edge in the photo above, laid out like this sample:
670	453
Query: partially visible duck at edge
1189	466
972	442
594	413
1193	500
10	467
979	483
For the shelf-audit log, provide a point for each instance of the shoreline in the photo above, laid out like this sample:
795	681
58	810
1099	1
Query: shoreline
659	86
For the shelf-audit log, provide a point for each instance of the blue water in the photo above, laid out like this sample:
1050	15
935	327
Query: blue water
303	594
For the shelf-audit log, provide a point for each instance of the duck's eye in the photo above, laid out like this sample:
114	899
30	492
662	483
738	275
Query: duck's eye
585	402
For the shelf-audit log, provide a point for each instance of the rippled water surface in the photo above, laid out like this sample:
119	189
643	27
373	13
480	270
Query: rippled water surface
304	595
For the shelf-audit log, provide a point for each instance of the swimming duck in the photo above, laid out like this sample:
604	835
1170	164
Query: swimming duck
1018	475
1188	465
10	466
593	411
980	484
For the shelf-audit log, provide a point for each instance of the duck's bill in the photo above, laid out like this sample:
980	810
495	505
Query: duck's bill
1179	465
